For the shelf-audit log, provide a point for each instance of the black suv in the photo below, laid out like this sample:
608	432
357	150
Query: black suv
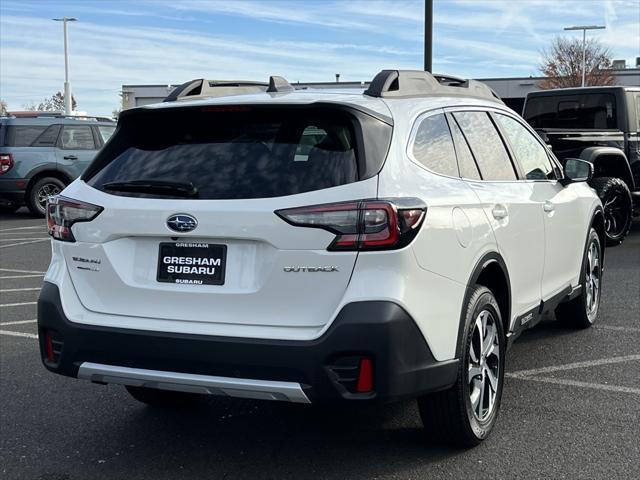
600	125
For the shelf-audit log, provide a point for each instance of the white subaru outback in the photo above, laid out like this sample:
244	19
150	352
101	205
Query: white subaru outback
313	247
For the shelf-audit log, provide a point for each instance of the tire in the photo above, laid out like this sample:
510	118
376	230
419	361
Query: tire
163	398
582	311
618	207
36	198
450	416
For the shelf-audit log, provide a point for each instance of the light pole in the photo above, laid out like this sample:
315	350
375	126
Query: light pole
67	87
584	29
428	35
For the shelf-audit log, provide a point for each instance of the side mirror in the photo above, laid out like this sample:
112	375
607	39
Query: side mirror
576	170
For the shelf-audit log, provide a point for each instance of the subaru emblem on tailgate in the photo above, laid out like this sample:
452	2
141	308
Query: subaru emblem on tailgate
181	222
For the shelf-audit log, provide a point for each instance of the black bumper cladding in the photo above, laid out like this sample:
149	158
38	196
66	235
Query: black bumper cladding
326	368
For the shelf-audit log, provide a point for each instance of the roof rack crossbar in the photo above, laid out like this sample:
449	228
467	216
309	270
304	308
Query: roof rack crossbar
418	83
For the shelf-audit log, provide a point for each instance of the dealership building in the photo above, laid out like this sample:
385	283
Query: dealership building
512	90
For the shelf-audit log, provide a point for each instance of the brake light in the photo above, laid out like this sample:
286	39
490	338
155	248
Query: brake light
63	212
363	224
6	162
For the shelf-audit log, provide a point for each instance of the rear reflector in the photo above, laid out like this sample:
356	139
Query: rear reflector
363	224
365	376
48	343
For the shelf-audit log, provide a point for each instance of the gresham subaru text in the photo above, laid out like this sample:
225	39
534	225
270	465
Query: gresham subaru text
318	247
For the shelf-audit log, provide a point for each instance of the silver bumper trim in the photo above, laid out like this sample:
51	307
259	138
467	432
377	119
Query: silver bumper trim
187	382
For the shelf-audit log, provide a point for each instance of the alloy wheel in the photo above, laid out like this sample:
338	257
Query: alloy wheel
484	365
44	192
592	280
615	215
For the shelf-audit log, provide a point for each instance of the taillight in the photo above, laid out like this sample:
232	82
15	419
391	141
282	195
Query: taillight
63	212
6	162
364	224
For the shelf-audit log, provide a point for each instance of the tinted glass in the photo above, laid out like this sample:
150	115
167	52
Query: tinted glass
23	135
466	163
531	155
486	144
77	138
593	111
433	146
242	153
106	132
49	137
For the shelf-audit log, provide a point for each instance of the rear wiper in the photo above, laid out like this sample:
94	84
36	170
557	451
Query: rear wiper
157	187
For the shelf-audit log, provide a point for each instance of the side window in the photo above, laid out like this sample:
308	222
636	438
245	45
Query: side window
487	146
77	137
531	155
48	138
433	146
466	163
23	135
106	132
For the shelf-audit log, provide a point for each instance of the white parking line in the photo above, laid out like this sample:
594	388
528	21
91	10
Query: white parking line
20	228
13	270
7	277
22	233
18	334
617	328
7	290
17	322
23	243
21	239
17	304
575	383
571	366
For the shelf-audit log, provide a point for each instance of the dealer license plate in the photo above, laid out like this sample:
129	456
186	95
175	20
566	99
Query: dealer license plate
192	263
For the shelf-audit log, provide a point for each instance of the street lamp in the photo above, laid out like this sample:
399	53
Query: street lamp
584	29
67	87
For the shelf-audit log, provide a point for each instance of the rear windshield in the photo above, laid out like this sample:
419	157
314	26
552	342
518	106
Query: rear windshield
592	111
232	152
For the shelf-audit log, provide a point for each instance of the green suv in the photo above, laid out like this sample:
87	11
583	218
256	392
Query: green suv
41	154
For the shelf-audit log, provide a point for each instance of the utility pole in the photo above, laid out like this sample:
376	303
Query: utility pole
67	87
428	34
584	29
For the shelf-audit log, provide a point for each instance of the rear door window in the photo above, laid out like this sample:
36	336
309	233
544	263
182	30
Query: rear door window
529	152
486	144
433	146
105	132
466	163
23	135
49	137
77	137
587	112
232	152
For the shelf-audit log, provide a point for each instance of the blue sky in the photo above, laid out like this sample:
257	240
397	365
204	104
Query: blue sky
120	42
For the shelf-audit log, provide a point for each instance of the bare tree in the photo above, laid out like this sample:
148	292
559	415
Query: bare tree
55	103
562	64
3	107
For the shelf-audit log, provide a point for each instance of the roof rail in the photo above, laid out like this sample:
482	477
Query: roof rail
55	114
203	88
418	83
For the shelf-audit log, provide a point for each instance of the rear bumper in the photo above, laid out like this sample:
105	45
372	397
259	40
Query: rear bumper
323	370
13	189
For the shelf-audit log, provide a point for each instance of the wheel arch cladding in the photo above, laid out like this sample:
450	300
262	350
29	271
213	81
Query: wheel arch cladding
597	222
47	173
609	162
491	272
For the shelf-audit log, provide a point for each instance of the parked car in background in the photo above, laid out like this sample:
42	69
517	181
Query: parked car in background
602	126
41	154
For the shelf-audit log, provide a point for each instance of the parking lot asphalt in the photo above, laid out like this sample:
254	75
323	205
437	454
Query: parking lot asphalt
570	409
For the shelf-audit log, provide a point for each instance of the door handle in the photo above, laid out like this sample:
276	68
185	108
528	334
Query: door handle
499	212
548	207
70	157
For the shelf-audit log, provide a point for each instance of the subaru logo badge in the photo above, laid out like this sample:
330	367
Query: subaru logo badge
181	222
